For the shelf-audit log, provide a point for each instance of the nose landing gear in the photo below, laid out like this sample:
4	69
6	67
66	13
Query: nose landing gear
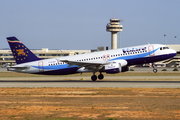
154	68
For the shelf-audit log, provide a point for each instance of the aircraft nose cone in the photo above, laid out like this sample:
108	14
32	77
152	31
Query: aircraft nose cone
173	52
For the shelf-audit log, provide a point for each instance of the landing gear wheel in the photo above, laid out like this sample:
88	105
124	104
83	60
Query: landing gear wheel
94	78
155	70
100	76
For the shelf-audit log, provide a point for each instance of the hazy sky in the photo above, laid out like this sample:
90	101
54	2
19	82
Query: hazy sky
81	24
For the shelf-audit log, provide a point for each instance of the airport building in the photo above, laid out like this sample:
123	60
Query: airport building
114	27
7	57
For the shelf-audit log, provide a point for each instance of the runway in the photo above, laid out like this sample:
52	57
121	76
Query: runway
85	82
89	84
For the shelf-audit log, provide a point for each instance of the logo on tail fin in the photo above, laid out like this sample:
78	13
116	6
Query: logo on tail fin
21	52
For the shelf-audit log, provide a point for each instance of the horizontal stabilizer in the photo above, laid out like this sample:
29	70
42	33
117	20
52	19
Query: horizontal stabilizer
18	69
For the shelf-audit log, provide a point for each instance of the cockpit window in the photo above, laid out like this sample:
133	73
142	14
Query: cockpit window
164	48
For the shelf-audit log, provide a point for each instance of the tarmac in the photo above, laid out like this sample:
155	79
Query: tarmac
85	82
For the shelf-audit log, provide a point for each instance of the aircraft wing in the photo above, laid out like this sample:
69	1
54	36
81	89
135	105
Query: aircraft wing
87	65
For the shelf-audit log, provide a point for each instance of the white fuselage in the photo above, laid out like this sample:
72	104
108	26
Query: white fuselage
133	55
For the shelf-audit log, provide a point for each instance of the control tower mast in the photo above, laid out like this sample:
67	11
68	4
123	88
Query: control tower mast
114	27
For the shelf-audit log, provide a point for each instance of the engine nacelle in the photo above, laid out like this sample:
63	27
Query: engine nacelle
116	66
83	69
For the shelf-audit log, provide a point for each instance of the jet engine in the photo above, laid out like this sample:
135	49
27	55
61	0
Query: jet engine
116	66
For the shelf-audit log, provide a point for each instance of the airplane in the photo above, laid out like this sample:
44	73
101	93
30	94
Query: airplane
109	61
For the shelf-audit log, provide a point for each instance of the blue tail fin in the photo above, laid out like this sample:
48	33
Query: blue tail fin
20	52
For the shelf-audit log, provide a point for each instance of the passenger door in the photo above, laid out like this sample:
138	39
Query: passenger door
40	66
151	50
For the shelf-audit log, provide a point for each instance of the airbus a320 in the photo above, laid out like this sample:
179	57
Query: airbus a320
109	61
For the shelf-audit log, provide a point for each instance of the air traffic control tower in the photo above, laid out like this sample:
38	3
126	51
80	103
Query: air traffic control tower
114	27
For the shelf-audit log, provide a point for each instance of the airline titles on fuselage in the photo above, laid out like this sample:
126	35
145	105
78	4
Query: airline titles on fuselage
134	50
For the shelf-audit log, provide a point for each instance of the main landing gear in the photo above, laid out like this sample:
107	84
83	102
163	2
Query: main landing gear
94	77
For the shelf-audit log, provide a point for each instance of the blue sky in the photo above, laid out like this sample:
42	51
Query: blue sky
81	24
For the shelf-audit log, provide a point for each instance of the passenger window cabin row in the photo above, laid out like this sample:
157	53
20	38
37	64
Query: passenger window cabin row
102	57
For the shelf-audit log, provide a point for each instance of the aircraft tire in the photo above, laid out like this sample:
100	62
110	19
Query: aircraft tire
155	70
94	78
100	76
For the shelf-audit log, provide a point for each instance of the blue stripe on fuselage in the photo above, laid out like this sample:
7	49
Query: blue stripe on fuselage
55	67
135	56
